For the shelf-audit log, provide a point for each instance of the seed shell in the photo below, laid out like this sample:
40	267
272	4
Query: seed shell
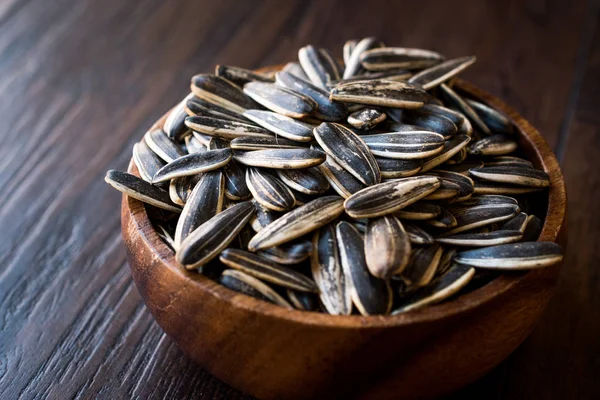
241	282
419	211
298	222
224	128
162	146
369	294
494	145
295	69
494	120
481	239
513	175
417	235
514	256
280	100
387	247
454	99
447	190
240	76
318	65
430	121
268	190
235	182
451	147
140	190
221	92
380	92
516	223
437	74
423	265
353	64
445	220
367	118
249	143
147	162
281	158
309	181
197	106
405	145
289	253
394	168
193	164
399	57
287	127
304	301
266	270
342	181
174	125
475	217
533	228
193	145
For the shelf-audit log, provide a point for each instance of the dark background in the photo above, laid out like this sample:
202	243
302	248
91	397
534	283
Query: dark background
81	80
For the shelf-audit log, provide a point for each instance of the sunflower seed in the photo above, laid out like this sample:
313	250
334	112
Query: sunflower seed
326	109
494	145
298	222
224	128
405	145
447	261
442	288
514	256
447	190
266	270
289	253
147	162
494	120
454	99
263	217
281	158
342	181
327	272
347	50
419	211
475	217
239	281
398	57
141	190
353	64
193	145
516	223
393	168
422	265
461	122
221	92
165	235
387	247
205	202
162	146
514	175
507	160
269	190
430	121
483	200
318	65
181	188
437	74
380	92
464	167
203	138
451	147
303	300
349	151
417	235
309	181
465	184
174	125
295	69
391	196
533	228
445	220
249	143
281	125
367	118
203	108
481	239
193	164
493	188
239	76
280	100
235	182
210	238
369	294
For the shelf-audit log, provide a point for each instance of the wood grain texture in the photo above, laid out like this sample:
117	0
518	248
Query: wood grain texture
86	78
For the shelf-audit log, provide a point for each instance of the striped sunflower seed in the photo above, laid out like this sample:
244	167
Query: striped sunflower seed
451	147
262	217
461	122
280	100
181	188
445	220
287	127
489	188
440	73
210	238
266	270
216	143
298	222
462	168
235	182
193	145
295	69
349	151
391	196
533	228
514	175
147	162
268	190
326	110
289	253
318	65
507	160
398	57
342	181
304	301
514	256
281	158
200	107
380	92
419	211
417	235
203	138
456	101
353	64
309	181
174	125
240	76
327	272
447	190
422	265
367	118
447	261
221	92
205	202
483	200
141	190
465	184
369	294
516	223
224	128
405	145
349	46
442	288
387	247
481	239
494	145
162	146
475	217
193	164
430	121
250	143
494	120
241	282
165	235
394	168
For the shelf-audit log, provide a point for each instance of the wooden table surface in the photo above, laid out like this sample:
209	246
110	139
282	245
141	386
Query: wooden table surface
81	80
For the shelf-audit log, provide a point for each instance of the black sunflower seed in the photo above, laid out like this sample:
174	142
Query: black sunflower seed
475	217
193	145
445	220
422	265
318	65
533	228
394	168
453	99
430	121
437	74
419	211
516	223
249	143
342	181
263	217
494	120
353	64
481	239
197	106
387	247
380	92
240	76
513	175
295	69
280	100
225	128
398	57
289	253
235	182
451	147
281	158
494	145
221	92
304	301
269	190
174	125
507	160
514	256
193	164
147	162
162	146
405	145
309	181
241	282
287	127
367	118
465	184
140	190
417	235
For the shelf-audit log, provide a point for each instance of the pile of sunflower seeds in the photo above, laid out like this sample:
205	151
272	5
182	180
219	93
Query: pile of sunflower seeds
373	186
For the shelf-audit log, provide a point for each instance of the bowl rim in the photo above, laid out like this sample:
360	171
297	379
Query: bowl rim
465	303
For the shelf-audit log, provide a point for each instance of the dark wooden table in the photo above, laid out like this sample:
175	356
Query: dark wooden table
81	80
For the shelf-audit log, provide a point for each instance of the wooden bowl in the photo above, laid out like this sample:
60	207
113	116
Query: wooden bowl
273	353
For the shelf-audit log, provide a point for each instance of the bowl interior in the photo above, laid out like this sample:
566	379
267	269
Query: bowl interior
551	205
